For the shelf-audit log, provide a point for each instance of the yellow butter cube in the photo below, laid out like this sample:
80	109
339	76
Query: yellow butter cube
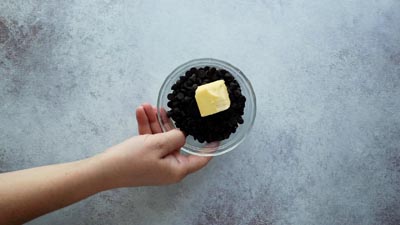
212	98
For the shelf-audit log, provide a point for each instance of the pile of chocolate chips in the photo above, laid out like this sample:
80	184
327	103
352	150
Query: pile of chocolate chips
186	114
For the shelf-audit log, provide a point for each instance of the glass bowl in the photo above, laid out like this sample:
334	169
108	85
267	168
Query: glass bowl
209	149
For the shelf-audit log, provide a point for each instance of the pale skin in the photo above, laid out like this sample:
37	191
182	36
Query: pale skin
152	158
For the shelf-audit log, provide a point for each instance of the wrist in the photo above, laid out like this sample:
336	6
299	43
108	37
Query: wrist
104	168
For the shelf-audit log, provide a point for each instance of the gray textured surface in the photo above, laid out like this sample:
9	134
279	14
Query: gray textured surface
325	148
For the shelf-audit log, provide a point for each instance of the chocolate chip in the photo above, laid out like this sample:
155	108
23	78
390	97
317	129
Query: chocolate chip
201	74
228	77
175	104
193	70
201	139
169	113
180	96
233	85
217	75
183	114
211	71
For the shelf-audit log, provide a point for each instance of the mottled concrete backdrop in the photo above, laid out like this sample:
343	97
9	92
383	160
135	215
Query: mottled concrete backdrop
325	148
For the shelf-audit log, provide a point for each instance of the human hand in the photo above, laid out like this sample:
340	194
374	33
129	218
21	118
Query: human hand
153	157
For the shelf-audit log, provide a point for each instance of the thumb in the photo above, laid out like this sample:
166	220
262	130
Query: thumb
194	162
169	141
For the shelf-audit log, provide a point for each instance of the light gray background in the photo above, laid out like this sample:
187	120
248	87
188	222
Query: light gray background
325	148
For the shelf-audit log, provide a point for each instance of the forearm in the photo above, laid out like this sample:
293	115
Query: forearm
27	194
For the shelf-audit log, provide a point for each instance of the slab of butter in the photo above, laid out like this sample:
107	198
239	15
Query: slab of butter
212	98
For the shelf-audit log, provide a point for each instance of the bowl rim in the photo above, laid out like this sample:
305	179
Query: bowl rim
203	61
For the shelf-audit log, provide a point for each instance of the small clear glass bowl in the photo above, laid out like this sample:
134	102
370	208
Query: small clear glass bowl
204	149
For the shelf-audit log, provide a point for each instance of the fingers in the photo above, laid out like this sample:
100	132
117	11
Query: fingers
152	118
195	163
168	142
165	120
146	116
182	165
143	122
